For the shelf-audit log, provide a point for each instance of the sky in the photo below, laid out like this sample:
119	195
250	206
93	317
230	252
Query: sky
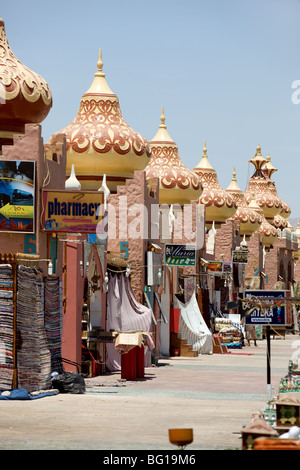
224	70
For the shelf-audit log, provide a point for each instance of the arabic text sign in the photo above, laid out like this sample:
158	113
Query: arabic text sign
271	315
72	211
180	255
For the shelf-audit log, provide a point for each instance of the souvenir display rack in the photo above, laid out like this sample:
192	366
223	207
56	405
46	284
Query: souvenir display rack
229	334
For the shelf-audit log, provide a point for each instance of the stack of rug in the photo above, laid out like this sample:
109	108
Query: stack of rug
6	327
53	318
33	355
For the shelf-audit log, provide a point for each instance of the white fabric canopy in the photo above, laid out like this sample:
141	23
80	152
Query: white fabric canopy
193	326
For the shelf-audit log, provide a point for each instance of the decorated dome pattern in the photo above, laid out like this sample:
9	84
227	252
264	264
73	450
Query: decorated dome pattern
285	211
280	222
100	126
26	94
263	188
220	205
269	232
166	165
249	220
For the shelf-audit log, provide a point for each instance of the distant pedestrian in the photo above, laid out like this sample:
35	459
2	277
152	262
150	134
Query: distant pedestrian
251	334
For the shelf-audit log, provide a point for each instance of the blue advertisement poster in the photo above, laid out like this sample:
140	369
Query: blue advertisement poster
271	315
17	191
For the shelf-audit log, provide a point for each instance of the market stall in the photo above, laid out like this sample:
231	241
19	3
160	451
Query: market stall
230	333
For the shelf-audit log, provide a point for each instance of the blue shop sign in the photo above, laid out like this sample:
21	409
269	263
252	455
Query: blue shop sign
271	315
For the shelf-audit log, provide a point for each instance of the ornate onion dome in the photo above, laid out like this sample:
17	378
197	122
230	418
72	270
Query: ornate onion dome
263	188
249	220
99	141
268	231
220	205
25	97
285	211
280	220
178	184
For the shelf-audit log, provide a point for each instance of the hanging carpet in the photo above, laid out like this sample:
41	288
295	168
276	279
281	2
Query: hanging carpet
193	326
53	318
33	355
125	314
6	327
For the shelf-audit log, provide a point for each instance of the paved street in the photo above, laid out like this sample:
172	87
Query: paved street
215	395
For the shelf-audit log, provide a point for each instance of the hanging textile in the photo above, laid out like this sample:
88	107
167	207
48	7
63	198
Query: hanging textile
53	318
189	288
193	326
33	355
6	327
124	313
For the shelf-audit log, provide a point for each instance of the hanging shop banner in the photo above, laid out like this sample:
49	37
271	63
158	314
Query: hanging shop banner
180	255
17	196
72	211
240	256
270	314
214	267
227	267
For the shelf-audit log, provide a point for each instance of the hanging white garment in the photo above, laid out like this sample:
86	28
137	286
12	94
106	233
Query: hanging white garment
125	314
113	360
193	326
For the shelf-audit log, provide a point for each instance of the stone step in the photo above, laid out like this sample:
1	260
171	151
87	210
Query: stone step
185	349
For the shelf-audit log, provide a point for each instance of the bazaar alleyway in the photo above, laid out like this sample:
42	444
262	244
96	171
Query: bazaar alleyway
215	395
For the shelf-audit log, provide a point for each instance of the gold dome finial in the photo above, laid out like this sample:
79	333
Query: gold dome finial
234	174
99	72
162	134
233	186
204	163
99	85
269	168
205	150
162	119
258	161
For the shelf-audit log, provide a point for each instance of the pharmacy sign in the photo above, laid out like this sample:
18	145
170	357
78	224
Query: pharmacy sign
71	211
